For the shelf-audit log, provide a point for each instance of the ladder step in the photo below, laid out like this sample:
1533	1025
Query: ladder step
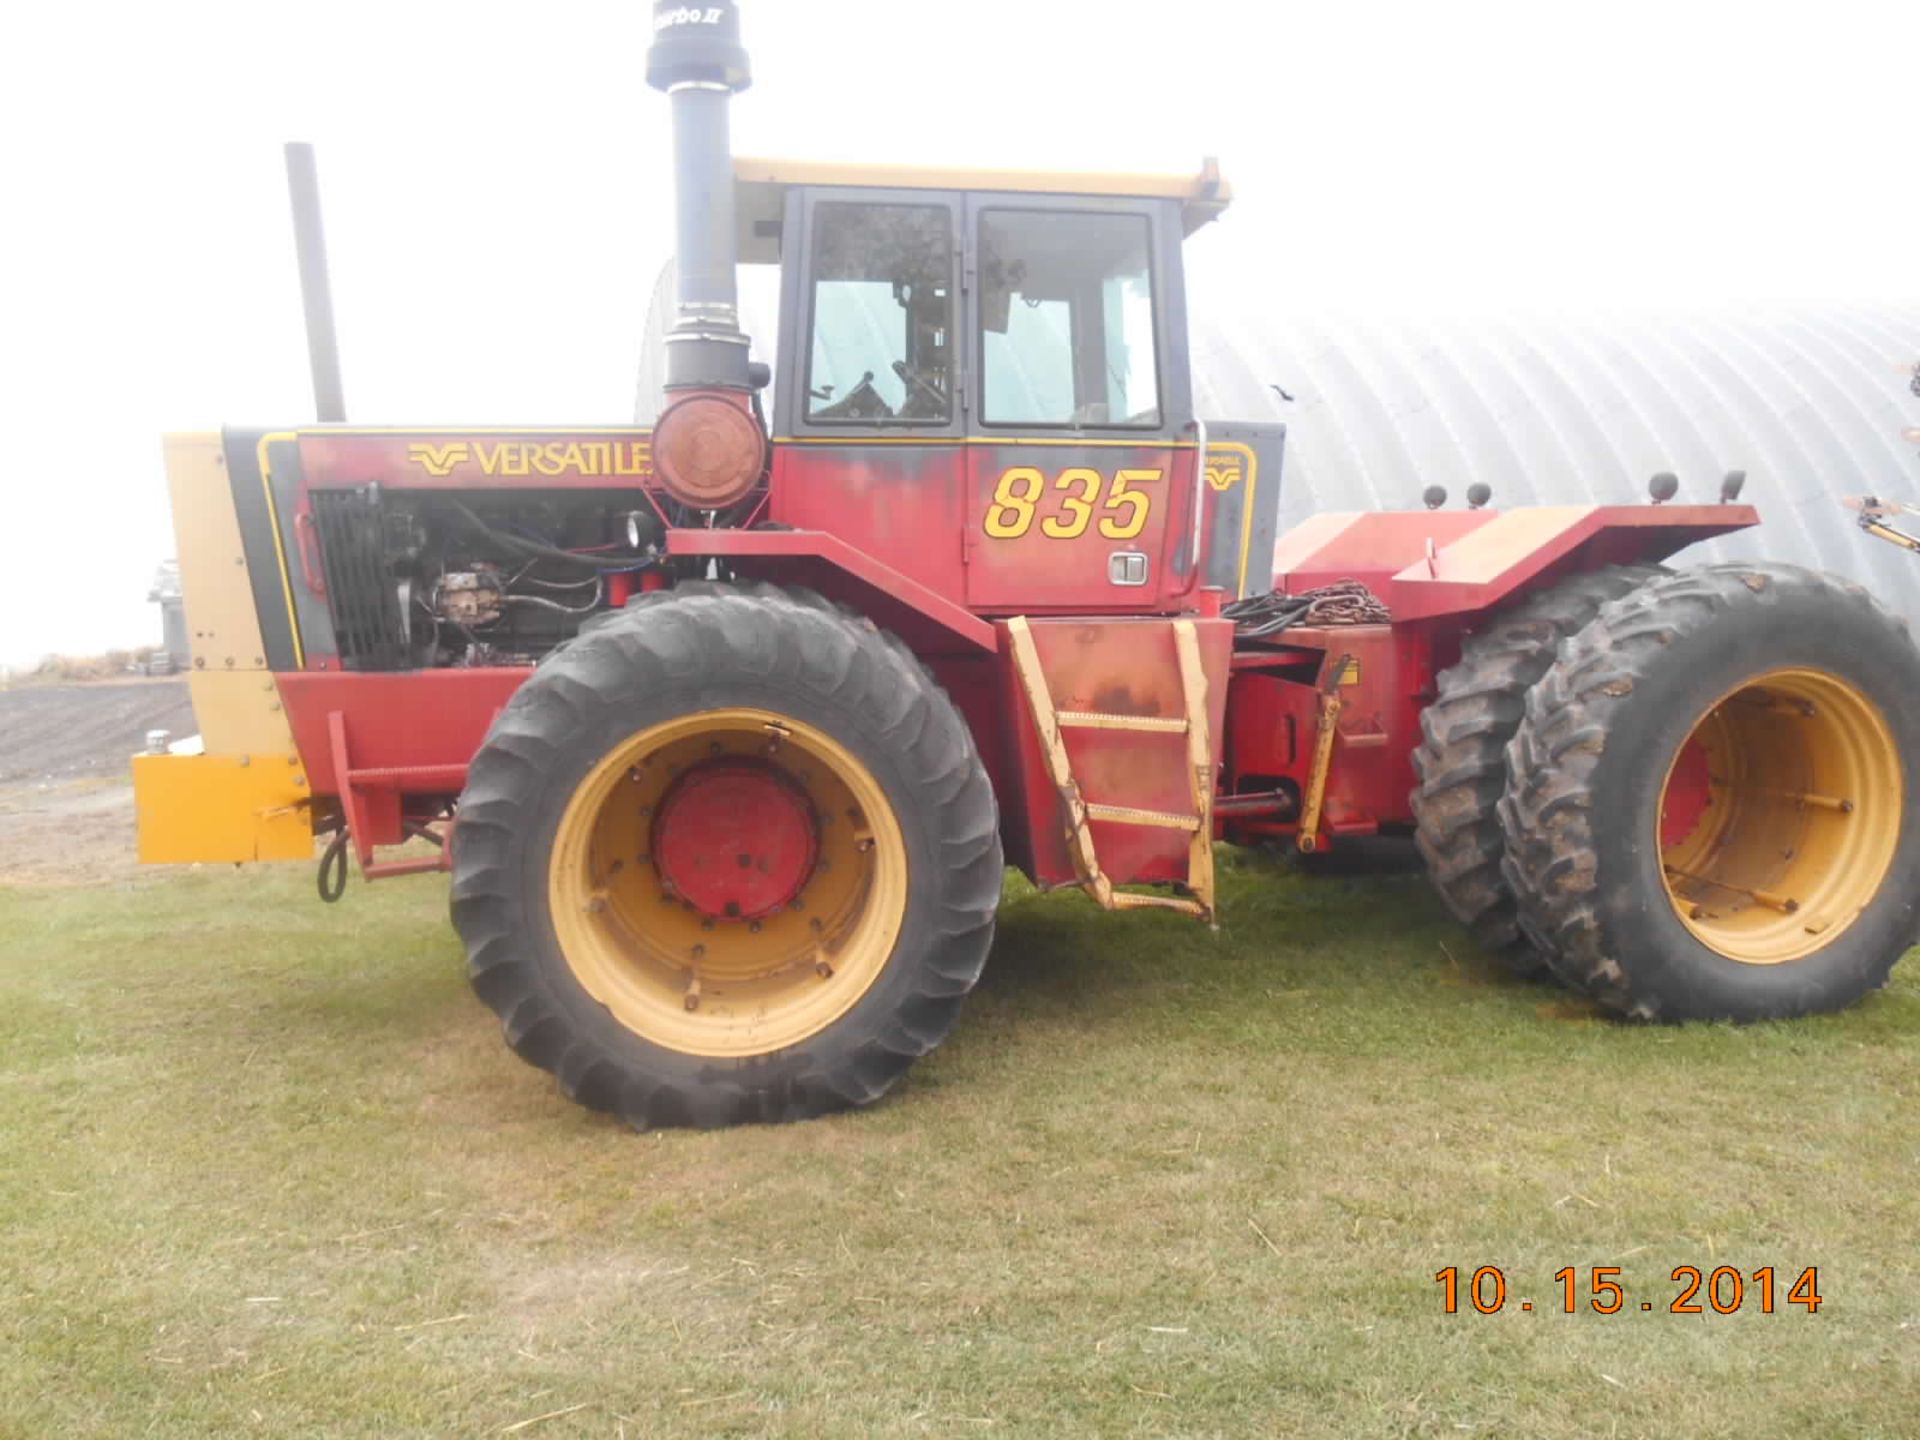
1127	900
1093	720
1051	725
1128	815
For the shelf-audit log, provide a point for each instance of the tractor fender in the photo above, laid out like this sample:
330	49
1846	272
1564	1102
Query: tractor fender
1432	565
928	621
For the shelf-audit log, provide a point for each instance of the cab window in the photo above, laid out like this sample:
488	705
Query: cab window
881	286
1066	319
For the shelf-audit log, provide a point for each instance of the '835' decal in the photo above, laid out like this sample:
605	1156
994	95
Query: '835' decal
1075	497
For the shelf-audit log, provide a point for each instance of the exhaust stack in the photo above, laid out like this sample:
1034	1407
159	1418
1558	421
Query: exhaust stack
697	59
316	293
708	449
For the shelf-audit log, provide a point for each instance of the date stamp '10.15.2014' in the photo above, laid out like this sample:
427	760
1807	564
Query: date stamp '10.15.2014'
1723	1290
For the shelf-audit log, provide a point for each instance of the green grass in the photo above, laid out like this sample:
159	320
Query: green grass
266	1167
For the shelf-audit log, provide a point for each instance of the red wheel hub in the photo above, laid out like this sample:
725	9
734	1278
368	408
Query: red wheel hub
1689	793
735	838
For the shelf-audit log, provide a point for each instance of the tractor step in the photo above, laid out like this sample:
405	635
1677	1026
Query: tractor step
1128	815
1133	900
1049	723
1089	720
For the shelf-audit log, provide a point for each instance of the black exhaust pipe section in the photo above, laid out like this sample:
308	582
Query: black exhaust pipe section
697	59
316	295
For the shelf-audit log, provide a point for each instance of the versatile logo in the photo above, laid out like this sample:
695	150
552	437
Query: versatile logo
1223	474
589	459
437	459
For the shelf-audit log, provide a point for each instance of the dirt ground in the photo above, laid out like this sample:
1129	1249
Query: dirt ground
66	732
66	802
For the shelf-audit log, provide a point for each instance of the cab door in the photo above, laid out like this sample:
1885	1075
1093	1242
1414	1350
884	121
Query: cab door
1080	458
867	416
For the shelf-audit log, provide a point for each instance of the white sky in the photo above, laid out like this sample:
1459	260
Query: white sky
498	201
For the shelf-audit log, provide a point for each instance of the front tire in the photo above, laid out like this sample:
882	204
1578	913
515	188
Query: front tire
1715	805
729	856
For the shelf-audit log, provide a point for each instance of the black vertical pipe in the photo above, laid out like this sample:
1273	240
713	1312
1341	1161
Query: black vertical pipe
316	294
697	59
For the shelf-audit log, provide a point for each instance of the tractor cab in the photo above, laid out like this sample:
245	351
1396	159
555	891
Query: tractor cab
996	355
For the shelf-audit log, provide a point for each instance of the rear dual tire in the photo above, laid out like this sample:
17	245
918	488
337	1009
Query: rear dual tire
1462	757
1713	806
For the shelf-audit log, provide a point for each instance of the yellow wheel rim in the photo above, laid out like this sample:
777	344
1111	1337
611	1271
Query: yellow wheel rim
1780	815
714	984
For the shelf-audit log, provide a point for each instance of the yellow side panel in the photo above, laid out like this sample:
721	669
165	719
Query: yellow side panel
239	713
220	808
213	567
235	701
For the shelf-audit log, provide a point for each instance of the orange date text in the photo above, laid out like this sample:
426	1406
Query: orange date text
1689	1290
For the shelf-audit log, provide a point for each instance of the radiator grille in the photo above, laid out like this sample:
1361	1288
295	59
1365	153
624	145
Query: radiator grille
362	594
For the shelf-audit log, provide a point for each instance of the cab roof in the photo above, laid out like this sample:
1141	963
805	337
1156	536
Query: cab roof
760	190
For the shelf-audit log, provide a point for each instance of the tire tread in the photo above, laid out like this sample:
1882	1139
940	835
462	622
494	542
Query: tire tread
768	632
1461	761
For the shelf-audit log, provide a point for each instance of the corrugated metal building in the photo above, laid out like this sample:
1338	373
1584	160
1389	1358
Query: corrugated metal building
1812	400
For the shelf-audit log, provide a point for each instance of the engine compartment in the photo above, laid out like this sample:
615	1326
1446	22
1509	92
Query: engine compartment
423	579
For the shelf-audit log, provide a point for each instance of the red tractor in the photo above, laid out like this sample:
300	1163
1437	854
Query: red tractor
727	728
